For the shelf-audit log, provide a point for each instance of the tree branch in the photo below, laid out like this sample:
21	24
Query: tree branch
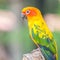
34	55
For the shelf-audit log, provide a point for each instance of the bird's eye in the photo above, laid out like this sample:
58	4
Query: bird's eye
28	11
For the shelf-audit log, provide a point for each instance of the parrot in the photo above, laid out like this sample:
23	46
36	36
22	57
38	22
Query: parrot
39	32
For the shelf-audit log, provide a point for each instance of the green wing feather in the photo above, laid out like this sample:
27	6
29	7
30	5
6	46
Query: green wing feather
46	42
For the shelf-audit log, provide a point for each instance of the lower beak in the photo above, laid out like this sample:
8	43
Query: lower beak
23	16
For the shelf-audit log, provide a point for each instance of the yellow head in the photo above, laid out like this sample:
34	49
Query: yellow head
30	12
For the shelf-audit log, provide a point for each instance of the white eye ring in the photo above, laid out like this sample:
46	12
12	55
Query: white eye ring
28	11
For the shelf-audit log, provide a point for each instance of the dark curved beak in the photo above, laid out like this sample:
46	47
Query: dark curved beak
23	16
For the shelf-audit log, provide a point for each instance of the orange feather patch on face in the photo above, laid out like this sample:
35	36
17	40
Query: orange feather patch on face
32	13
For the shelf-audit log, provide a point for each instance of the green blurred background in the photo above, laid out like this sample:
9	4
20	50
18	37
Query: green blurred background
18	39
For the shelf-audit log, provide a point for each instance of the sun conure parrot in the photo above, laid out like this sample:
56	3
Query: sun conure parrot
40	33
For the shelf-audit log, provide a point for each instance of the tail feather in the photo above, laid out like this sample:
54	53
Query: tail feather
47	54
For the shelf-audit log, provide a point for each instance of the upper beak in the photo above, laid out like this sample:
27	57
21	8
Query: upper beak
23	16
